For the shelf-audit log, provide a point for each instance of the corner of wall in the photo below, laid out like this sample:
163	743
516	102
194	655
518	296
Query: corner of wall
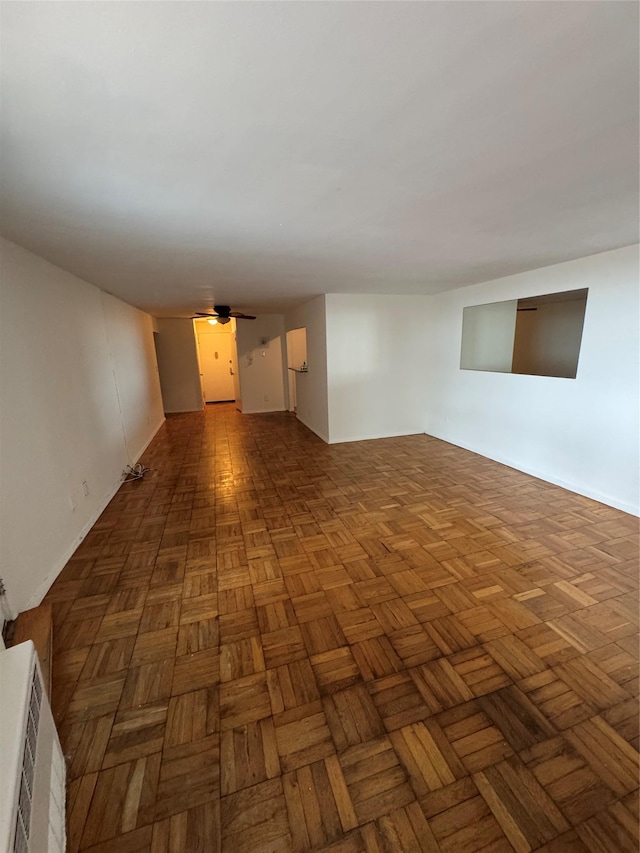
580	434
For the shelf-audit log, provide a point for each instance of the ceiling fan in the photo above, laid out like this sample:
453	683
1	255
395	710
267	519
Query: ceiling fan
223	314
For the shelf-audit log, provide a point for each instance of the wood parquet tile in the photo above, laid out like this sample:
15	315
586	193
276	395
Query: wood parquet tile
271	644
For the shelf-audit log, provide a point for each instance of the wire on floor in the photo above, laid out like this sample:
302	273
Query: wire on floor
135	472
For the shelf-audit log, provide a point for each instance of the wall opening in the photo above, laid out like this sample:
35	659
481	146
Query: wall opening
537	336
296	361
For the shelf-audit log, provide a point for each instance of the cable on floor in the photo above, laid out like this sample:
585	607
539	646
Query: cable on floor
135	472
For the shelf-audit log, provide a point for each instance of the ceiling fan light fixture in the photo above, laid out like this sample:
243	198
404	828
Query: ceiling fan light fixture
213	321
222	314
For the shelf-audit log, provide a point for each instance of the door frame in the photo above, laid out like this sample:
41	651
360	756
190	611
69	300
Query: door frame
234	357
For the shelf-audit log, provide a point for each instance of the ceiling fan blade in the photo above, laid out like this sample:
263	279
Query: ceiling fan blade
222	313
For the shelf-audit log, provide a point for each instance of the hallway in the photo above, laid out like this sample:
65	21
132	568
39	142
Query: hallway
273	644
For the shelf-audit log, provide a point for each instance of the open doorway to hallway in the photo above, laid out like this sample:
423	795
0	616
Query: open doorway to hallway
217	357
296	361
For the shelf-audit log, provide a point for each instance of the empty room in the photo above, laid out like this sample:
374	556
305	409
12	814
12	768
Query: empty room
319	426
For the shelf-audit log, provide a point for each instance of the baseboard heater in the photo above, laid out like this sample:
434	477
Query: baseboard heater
33	774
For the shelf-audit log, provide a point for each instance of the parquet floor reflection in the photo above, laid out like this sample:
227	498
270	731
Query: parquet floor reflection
271	644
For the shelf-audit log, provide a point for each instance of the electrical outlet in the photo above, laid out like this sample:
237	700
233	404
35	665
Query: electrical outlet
266	398
85	488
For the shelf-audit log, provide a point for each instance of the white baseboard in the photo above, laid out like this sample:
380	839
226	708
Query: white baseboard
260	411
154	433
313	429
45	584
375	436
576	488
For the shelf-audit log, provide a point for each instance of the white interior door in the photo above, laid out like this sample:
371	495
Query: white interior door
216	364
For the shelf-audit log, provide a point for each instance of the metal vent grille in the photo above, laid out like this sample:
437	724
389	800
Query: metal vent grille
23	817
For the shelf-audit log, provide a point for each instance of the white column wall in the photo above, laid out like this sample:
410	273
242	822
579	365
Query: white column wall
311	387
376	348
262	369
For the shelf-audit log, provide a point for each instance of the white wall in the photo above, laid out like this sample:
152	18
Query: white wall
580	433
376	350
133	357
178	366
262	368
311	387
79	400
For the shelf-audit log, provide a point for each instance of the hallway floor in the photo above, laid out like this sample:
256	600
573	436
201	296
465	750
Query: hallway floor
271	644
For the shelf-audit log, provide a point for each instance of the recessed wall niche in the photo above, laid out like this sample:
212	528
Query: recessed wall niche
539	335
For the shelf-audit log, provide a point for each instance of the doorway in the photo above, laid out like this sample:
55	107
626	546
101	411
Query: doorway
296	362
216	352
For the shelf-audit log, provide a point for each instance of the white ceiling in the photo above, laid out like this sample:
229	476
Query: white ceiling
257	154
